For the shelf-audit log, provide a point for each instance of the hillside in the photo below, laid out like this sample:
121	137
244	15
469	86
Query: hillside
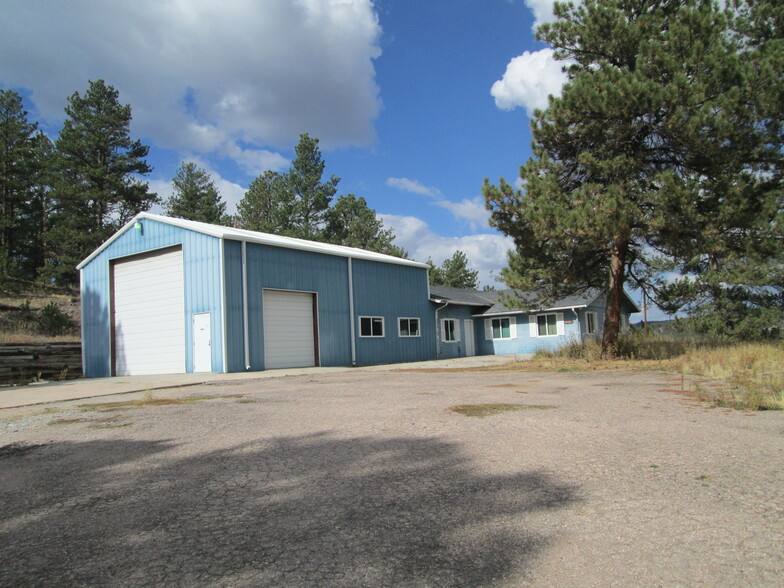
30	313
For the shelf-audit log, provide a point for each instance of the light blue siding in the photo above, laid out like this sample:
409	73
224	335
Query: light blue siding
202	279
392	291
235	333
301	271
524	343
452	349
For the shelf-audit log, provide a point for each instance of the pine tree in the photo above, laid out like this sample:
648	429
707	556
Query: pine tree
195	196
454	272
649	159
295	203
312	197
20	169
351	222
98	166
267	206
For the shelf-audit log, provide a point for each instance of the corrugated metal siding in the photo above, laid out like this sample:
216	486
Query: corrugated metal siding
451	349
290	269
96	331
235	338
201	255
392	291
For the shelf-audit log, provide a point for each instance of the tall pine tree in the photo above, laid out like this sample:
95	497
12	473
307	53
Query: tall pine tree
195	196
649	159
21	172
351	222
295	203
98	187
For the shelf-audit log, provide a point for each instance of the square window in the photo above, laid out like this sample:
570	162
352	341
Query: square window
501	328
371	326
547	324
408	327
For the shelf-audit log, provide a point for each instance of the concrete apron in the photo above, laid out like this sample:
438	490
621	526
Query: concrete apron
44	392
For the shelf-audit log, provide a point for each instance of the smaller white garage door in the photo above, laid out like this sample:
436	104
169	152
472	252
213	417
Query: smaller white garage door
149	314
289	329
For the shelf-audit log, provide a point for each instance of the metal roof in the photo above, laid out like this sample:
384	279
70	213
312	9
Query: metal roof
255	237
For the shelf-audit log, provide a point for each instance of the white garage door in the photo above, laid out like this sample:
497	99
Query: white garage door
149	318
289	335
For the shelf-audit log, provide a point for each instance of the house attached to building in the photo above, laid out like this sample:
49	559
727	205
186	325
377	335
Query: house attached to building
167	295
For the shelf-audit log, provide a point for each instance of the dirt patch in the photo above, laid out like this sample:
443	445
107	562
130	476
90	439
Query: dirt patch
484	410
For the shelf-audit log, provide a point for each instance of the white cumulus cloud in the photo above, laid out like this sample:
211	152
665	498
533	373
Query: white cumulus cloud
529	79
469	211
486	252
233	78
542	11
412	186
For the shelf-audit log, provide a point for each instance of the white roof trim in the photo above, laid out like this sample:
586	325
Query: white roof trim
255	237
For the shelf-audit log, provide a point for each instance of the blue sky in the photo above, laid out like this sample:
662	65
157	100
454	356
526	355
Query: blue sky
415	102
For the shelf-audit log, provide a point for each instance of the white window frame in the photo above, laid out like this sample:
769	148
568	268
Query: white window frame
489	336
591	315
533	322
455	330
372	320
400	320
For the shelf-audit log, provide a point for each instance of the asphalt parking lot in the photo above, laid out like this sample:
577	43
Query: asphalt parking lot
371	478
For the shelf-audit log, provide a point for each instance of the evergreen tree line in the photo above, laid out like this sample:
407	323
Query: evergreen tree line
659	166
62	199
59	200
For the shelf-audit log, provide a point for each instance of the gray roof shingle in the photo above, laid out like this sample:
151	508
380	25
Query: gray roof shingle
491	300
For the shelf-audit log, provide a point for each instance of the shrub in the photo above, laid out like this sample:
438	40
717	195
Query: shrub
54	321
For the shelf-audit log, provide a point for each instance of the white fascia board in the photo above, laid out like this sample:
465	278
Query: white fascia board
260	238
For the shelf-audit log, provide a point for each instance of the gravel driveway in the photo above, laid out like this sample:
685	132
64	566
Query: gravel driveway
369	479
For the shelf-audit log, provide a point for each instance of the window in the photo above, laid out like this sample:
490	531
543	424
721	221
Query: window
408	327
450	331
590	323
501	329
371	326
548	325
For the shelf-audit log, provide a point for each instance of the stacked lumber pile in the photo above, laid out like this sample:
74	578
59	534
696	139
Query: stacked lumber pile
21	364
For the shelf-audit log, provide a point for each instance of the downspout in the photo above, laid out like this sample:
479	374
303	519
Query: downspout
438	340
245	304
351	311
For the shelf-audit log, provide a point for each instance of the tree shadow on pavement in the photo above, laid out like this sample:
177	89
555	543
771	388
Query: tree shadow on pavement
309	510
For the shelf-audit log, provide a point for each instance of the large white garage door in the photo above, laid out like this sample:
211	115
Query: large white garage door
149	315
289	334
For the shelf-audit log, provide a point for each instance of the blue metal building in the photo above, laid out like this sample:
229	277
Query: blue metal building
166	295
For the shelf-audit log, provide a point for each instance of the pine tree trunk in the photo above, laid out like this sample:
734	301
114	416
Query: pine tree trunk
612	309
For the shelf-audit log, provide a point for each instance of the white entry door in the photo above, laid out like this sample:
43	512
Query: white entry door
468	329
202	343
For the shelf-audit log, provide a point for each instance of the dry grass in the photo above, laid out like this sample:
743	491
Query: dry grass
750	375
483	410
149	400
28	337
755	372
